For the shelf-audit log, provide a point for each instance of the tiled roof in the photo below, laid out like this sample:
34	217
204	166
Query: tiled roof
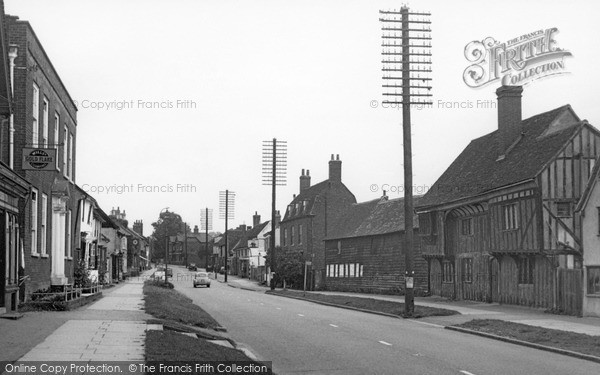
477	170
373	218
250	234
309	195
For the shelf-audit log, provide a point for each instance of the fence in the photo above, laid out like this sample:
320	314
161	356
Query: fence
570	291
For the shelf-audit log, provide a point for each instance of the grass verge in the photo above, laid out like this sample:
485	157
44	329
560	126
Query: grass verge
372	304
172	346
576	342
169	304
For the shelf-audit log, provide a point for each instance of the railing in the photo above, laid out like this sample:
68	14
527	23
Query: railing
68	293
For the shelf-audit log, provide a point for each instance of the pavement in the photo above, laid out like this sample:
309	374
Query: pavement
468	310
110	329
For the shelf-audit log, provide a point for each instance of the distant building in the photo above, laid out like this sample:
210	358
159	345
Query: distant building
305	224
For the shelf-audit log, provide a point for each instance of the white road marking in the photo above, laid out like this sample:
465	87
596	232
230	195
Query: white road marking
300	315
385	343
333	325
466	372
425	323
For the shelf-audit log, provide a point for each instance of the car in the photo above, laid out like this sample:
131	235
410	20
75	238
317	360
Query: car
158	275
201	278
169	271
192	267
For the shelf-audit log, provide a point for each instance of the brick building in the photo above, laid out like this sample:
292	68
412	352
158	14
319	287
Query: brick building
45	123
305	223
12	188
364	251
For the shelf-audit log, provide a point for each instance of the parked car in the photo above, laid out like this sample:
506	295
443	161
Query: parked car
158	275
201	278
192	267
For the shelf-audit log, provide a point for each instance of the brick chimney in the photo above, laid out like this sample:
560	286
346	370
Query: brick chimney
335	169
196	229
509	116
277	218
304	180
255	219
138	227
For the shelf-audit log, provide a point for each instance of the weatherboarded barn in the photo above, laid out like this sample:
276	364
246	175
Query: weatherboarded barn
365	250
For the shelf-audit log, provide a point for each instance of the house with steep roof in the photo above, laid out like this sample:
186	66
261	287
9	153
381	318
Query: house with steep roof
499	224
249	249
308	217
364	251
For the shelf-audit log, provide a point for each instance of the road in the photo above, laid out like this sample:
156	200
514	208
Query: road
300	337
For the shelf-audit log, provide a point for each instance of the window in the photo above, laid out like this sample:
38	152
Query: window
34	221
593	280
598	208
509	217
64	163
285	234
292	235
45	123
68	249
351	270
56	129
70	160
299	234
467	270
36	113
447	272
563	209
466	227
44	225
339	246
525	270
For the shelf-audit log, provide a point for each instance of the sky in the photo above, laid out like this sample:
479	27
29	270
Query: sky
176	97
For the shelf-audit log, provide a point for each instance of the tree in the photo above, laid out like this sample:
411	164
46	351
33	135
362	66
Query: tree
168	224
289	266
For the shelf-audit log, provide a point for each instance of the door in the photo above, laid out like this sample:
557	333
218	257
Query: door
494	285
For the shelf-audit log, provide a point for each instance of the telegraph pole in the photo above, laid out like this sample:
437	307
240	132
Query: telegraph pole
274	164
412	86
206	222
226	199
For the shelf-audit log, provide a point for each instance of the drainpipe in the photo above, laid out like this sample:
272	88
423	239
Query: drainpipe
12	55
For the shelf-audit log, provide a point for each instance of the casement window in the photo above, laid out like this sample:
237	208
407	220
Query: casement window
292	235
70	160
563	209
44	225
466	227
35	114
510	218
34	221
447	272
285	237
299	234
525	268
339	246
65	151
45	123
352	270
68	248
598	208
593	280
466	265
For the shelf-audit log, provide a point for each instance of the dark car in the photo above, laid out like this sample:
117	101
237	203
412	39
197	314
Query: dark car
192	267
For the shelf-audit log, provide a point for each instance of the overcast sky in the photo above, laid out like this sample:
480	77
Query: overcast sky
302	71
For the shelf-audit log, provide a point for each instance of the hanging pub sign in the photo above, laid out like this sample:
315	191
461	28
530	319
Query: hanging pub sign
39	159
516	62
